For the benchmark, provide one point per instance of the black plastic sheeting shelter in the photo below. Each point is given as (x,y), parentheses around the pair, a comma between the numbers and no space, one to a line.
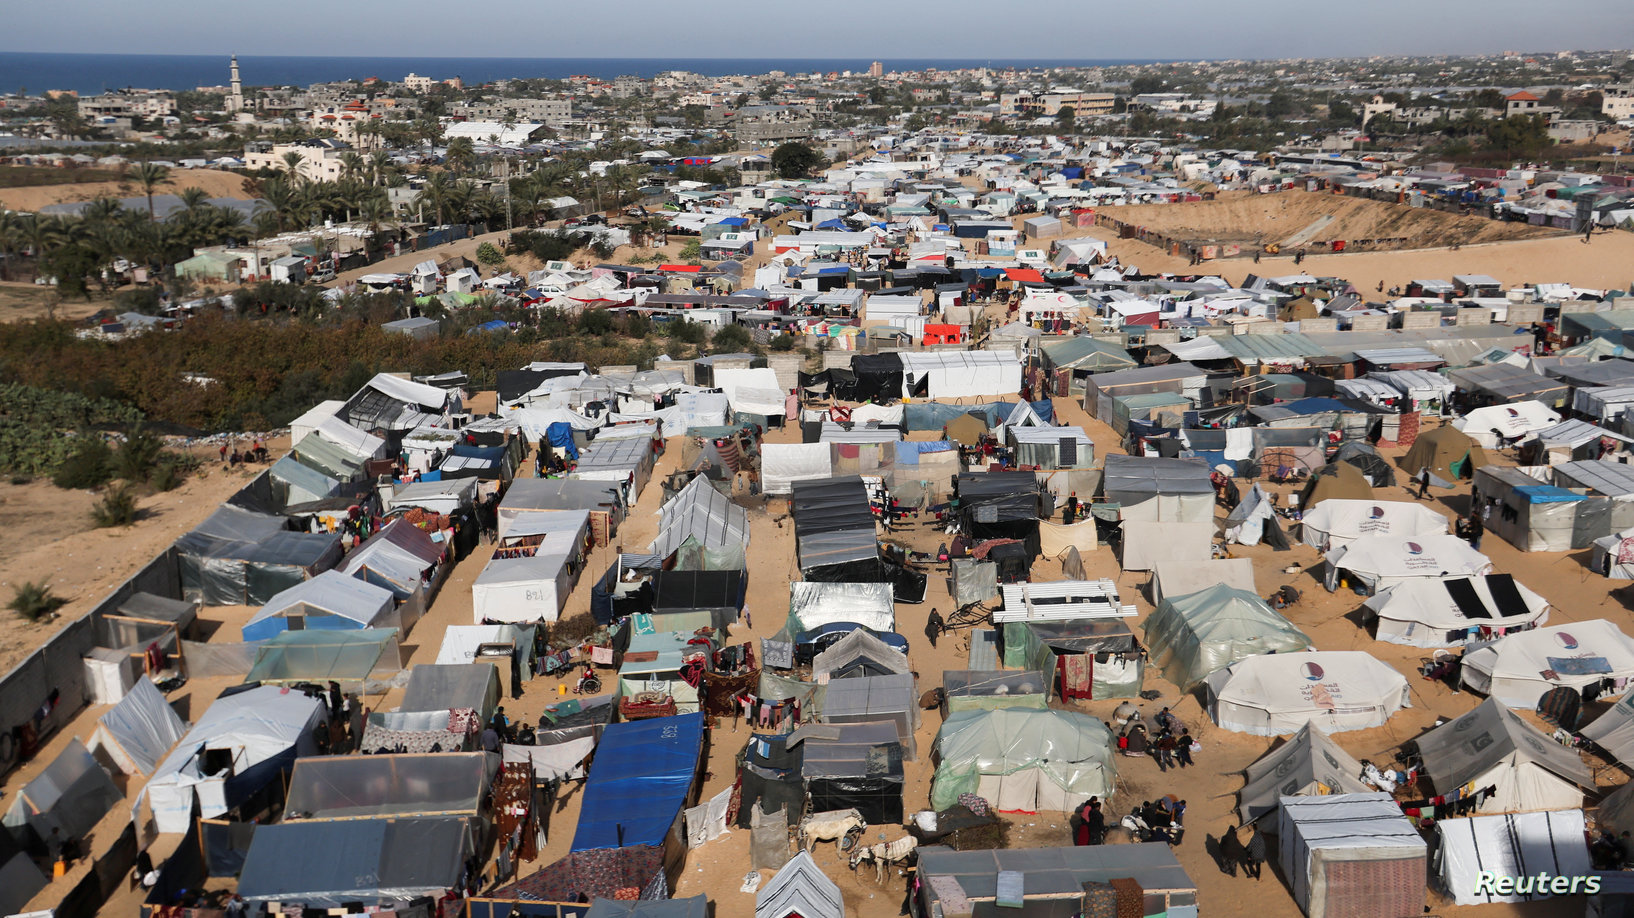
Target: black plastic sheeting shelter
(875,377)
(238,557)
(1365,457)
(834,531)
(769,774)
(513,384)
(718,592)
(375,861)
(1000,505)
(853,765)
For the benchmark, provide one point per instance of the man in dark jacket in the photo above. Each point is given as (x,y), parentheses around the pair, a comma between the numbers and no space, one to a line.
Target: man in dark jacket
(934,626)
(1254,854)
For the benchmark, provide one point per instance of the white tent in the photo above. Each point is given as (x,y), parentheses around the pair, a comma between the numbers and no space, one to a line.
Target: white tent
(533,587)
(1521,668)
(1492,746)
(960,374)
(752,391)
(358,443)
(461,642)
(1435,611)
(138,731)
(1381,561)
(1352,856)
(263,724)
(1336,522)
(1513,421)
(446,496)
(814,604)
(799,889)
(1179,578)
(1245,525)
(1310,763)
(1338,690)
(1519,845)
(330,601)
(783,464)
(1146,545)
(1614,732)
(309,422)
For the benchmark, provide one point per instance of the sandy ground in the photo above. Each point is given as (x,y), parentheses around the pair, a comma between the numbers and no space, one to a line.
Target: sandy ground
(1237,216)
(215,182)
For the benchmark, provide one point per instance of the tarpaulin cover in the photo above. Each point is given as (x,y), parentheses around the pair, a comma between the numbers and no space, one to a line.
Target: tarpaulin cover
(1493,746)
(322,656)
(346,786)
(1271,694)
(445,686)
(1337,522)
(860,699)
(1350,854)
(1510,845)
(859,651)
(1159,490)
(800,888)
(331,601)
(1023,760)
(717,592)
(560,435)
(1177,578)
(690,907)
(1309,763)
(769,775)
(1447,611)
(139,730)
(1148,544)
(398,557)
(974,581)
(702,514)
(783,464)
(1195,634)
(71,796)
(328,863)
(814,604)
(641,778)
(1381,560)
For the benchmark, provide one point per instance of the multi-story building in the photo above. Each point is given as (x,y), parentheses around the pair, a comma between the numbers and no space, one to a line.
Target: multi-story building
(545,111)
(319,159)
(1049,104)
(129,103)
(1617,101)
(767,124)
(876,70)
(416,83)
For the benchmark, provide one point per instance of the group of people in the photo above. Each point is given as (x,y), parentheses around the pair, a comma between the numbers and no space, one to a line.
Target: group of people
(1234,852)
(233,457)
(1611,852)
(1171,747)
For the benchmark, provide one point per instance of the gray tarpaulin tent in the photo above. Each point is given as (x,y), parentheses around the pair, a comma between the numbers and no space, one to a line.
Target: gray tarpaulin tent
(1179,578)
(859,653)
(691,907)
(1613,731)
(443,686)
(239,557)
(295,483)
(701,523)
(875,698)
(1159,490)
(1023,760)
(398,557)
(138,731)
(1309,763)
(852,765)
(1352,856)
(1051,874)
(70,797)
(1492,746)
(1196,634)
(376,861)
(348,787)
(799,889)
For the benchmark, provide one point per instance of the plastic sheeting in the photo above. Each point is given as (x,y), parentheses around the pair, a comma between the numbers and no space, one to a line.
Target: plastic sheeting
(1159,490)
(1352,854)
(349,787)
(1425,613)
(138,731)
(859,649)
(1023,760)
(1176,579)
(1193,635)
(331,601)
(1339,690)
(1517,845)
(328,863)
(812,605)
(700,514)
(1055,538)
(1148,544)
(875,698)
(641,778)
(974,581)
(783,464)
(441,687)
(70,797)
(799,888)
(769,839)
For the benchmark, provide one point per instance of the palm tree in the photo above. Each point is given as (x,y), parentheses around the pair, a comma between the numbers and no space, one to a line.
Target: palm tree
(380,165)
(460,154)
(351,164)
(292,164)
(150,176)
(375,211)
(284,202)
(438,191)
(193,198)
(11,239)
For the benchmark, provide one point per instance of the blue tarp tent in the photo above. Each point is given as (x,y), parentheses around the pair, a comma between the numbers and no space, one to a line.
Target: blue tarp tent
(560,434)
(639,782)
(497,325)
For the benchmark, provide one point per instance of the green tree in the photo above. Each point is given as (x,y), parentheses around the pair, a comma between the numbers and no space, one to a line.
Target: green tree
(1142,85)
(1524,136)
(795,160)
(1065,118)
(489,255)
(150,176)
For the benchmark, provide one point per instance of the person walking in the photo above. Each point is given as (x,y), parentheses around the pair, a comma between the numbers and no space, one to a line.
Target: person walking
(1474,529)
(1182,748)
(1423,479)
(1071,511)
(1165,751)
(934,626)
(1254,854)
(1232,852)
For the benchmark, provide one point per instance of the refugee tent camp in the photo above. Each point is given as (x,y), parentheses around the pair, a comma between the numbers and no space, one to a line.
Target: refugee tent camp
(1492,746)
(1308,764)
(1613,731)
(862,699)
(1520,668)
(447,497)
(400,557)
(1023,760)
(1453,611)
(414,784)
(69,798)
(1335,481)
(421,722)
(20,878)
(1520,845)
(1352,856)
(374,860)
(1193,635)
(1338,690)
(138,731)
(1337,522)
(1447,452)
(1159,490)
(1365,457)
(834,531)
(858,653)
(331,601)
(1509,423)
(238,744)
(1533,515)
(852,766)
(530,579)
(240,557)
(813,605)
(799,889)
(602,499)
(1178,578)
(959,374)
(1379,561)
(293,657)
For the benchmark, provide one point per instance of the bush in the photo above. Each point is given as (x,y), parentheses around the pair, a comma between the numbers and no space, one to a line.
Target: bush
(89,466)
(138,456)
(731,340)
(144,300)
(35,601)
(685,330)
(783,342)
(172,469)
(692,251)
(117,507)
(489,255)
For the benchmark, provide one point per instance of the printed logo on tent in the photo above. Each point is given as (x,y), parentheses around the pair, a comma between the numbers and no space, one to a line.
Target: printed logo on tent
(1566,640)
(1413,548)
(1312,672)
(1513,413)
(1378,513)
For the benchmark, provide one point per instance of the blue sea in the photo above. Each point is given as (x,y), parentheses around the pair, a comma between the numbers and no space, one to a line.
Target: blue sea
(89,74)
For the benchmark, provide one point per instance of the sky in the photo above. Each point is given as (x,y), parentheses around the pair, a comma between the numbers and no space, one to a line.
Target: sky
(964,29)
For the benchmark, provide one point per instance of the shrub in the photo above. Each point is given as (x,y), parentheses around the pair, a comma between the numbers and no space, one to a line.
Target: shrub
(731,340)
(138,456)
(783,342)
(172,469)
(117,507)
(489,255)
(89,466)
(692,251)
(685,330)
(35,601)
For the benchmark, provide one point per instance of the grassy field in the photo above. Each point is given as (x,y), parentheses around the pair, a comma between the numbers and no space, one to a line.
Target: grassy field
(32,176)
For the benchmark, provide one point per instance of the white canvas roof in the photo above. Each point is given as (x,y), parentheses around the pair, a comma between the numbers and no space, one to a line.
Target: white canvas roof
(799,888)
(1517,419)
(1424,613)
(1338,690)
(1382,560)
(752,391)
(338,594)
(359,443)
(1336,522)
(262,723)
(460,642)
(1308,762)
(445,496)
(1179,578)
(1148,544)
(532,589)
(961,374)
(814,604)
(783,464)
(139,730)
(1578,654)
(308,422)
(1514,845)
